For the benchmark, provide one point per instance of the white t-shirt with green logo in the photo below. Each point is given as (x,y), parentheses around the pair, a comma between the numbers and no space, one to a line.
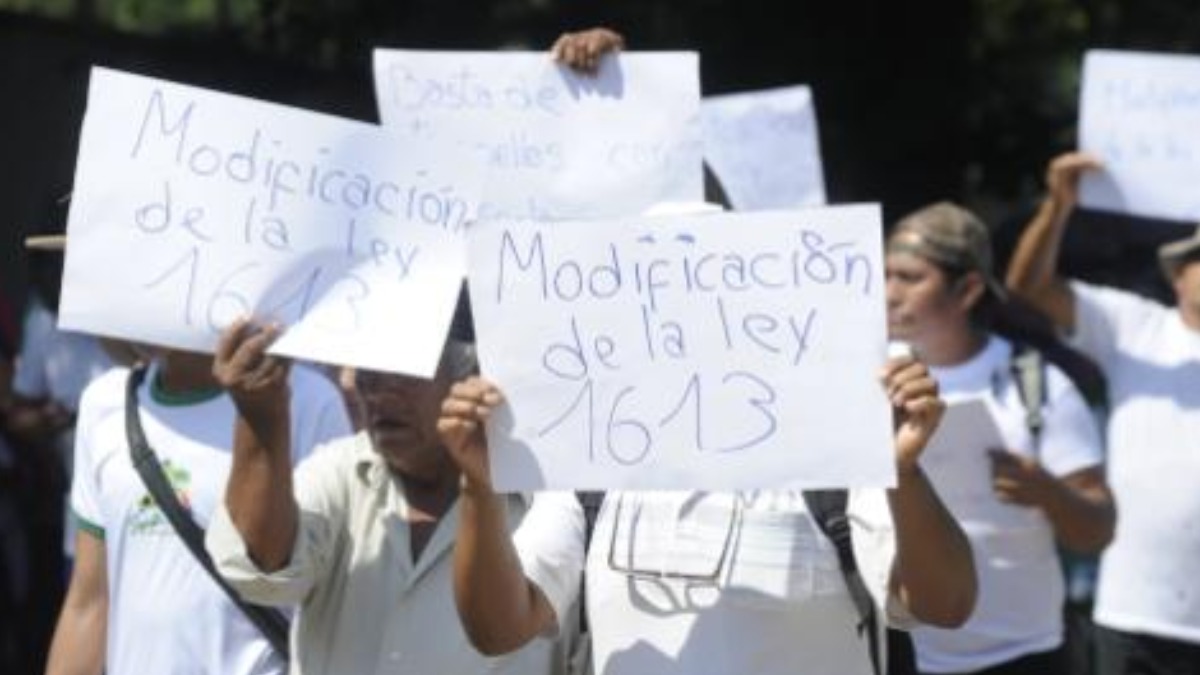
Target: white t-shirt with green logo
(166,615)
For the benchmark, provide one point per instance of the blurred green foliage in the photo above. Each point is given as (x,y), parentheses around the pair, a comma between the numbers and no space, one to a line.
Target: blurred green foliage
(150,17)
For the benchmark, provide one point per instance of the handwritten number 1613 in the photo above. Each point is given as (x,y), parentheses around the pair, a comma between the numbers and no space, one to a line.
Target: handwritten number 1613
(628,439)
(228,301)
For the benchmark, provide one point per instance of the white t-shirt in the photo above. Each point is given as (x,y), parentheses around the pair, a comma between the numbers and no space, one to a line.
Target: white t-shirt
(1019,606)
(165,614)
(750,584)
(1152,362)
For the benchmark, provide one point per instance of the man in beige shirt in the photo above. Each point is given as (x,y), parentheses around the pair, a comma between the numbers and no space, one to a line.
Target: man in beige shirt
(360,539)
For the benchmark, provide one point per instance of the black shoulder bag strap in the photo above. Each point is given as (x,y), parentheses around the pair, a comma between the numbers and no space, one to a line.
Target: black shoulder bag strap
(828,509)
(1029,374)
(590,501)
(272,622)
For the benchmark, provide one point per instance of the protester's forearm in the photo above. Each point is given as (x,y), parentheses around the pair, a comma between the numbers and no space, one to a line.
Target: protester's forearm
(259,494)
(499,608)
(934,568)
(78,645)
(1083,518)
(1033,270)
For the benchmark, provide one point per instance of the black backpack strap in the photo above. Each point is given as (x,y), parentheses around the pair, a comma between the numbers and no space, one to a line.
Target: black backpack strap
(590,500)
(1029,374)
(828,510)
(901,655)
(272,622)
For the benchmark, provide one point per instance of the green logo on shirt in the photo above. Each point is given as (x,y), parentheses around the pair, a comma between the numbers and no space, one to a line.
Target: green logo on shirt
(147,518)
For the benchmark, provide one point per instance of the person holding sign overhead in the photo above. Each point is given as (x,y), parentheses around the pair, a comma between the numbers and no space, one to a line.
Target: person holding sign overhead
(1046,480)
(712,582)
(1147,602)
(360,538)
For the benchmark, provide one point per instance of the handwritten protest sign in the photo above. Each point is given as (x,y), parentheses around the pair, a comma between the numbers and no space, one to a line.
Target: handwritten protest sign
(555,144)
(1140,113)
(193,207)
(703,352)
(763,147)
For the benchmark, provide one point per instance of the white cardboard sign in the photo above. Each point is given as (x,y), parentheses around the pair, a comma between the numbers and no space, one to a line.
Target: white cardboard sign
(192,207)
(957,463)
(722,351)
(764,148)
(554,144)
(1140,113)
